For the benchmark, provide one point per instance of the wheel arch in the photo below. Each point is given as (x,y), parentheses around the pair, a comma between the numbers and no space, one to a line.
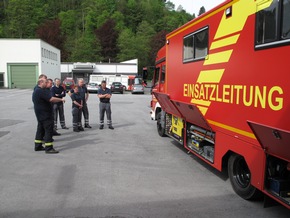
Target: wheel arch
(255,194)
(157,110)
(225,160)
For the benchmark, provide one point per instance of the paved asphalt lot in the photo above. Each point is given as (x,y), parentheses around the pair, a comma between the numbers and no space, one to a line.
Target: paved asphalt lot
(129,172)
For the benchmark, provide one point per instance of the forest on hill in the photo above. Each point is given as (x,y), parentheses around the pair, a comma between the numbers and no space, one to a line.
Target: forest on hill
(95,30)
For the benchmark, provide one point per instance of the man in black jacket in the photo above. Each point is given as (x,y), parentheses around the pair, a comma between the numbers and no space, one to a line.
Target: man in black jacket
(42,100)
(58,91)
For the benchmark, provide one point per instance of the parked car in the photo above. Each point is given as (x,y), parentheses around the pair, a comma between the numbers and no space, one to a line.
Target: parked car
(68,84)
(138,88)
(117,87)
(93,87)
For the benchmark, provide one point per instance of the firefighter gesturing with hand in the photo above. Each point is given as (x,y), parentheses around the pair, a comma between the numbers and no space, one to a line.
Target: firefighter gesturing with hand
(42,100)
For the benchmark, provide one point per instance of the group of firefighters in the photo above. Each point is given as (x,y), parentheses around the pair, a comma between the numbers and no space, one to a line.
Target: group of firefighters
(48,102)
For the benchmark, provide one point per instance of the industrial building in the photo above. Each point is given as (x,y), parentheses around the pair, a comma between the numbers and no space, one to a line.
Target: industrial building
(84,70)
(23,60)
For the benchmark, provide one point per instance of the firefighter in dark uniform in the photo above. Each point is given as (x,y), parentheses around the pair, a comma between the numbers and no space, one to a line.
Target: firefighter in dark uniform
(48,87)
(84,93)
(58,91)
(104,95)
(77,105)
(42,100)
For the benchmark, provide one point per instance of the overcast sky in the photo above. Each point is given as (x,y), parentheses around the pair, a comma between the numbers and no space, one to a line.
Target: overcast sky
(193,6)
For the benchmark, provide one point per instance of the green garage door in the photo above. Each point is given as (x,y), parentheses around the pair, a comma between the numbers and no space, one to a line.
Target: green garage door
(23,76)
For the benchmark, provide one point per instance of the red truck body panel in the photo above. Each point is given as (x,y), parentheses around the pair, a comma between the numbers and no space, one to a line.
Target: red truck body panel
(240,91)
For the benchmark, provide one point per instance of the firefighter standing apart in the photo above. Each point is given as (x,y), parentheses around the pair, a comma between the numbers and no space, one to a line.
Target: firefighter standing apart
(104,95)
(42,100)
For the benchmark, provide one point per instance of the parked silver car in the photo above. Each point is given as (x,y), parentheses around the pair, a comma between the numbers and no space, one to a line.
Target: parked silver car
(138,88)
(93,87)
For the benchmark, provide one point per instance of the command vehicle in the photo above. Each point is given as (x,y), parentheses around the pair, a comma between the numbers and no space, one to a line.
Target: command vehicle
(221,89)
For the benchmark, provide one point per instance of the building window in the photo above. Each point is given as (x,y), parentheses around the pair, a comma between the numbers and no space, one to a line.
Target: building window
(1,79)
(195,45)
(48,54)
(273,24)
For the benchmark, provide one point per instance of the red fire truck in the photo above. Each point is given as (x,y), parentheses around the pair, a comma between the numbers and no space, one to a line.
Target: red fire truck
(221,89)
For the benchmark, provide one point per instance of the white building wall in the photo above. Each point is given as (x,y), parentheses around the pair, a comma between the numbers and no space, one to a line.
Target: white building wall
(28,51)
(127,67)
(66,67)
(50,60)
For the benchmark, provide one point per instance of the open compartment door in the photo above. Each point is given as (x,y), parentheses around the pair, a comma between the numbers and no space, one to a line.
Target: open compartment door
(166,104)
(274,141)
(192,114)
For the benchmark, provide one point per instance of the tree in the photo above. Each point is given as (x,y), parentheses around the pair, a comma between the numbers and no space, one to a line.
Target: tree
(108,39)
(51,33)
(134,15)
(89,29)
(156,43)
(24,16)
(144,34)
(86,49)
(169,6)
(69,22)
(119,19)
(180,8)
(201,11)
(175,19)
(127,45)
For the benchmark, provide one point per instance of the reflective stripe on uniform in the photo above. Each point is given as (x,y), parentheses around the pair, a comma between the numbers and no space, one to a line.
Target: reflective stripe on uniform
(38,141)
(47,144)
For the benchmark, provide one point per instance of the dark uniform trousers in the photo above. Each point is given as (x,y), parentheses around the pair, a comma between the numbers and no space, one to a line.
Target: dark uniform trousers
(105,107)
(58,109)
(77,117)
(44,132)
(85,112)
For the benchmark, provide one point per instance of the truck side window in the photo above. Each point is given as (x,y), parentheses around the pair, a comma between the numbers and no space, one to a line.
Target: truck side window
(156,76)
(163,74)
(273,24)
(201,44)
(286,20)
(195,45)
(188,53)
(267,20)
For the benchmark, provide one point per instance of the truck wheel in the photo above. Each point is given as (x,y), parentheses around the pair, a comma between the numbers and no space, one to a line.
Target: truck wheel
(240,177)
(160,129)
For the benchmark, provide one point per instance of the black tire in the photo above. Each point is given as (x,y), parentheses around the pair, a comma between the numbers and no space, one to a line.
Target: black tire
(160,130)
(240,177)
